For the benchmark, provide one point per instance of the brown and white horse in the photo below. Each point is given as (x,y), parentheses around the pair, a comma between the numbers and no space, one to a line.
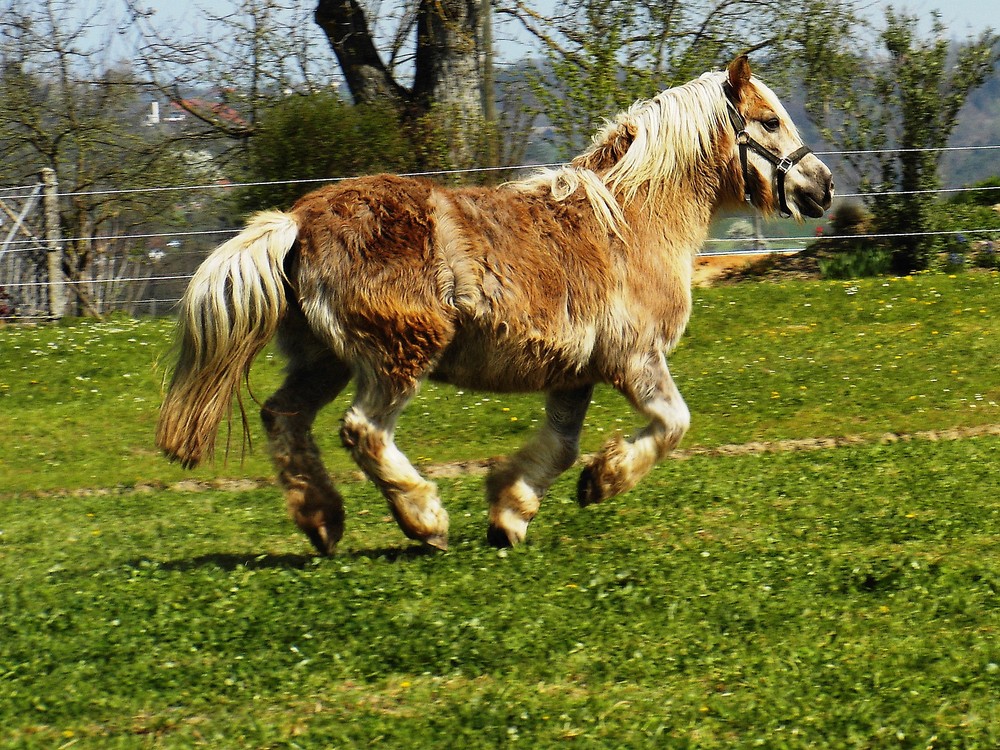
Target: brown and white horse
(575,276)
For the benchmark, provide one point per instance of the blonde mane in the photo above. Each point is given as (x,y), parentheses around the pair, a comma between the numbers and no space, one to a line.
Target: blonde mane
(648,145)
(563,182)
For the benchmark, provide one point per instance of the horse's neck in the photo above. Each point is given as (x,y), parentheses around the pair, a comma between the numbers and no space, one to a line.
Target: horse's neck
(670,219)
(675,216)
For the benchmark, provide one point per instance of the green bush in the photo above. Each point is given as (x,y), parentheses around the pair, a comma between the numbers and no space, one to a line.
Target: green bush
(986,253)
(861,261)
(961,219)
(851,218)
(988,194)
(316,137)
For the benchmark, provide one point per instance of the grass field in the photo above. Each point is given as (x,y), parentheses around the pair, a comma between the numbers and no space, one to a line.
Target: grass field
(818,599)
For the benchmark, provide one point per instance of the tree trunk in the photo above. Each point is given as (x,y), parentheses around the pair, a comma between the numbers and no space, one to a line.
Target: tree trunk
(449,67)
(447,70)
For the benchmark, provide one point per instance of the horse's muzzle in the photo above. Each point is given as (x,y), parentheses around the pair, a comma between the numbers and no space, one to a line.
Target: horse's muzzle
(815,198)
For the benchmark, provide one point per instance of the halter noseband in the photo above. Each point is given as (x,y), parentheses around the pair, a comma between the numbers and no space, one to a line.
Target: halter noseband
(782,164)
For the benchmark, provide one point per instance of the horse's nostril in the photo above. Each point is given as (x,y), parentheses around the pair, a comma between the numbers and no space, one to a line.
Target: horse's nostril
(828,195)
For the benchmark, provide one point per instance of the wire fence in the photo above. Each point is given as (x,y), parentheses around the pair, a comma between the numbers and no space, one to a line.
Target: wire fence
(161,291)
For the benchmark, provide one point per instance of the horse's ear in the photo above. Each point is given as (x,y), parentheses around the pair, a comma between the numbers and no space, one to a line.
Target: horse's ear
(739,73)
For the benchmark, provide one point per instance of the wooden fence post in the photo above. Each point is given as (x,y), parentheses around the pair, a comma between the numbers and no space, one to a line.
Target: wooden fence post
(53,243)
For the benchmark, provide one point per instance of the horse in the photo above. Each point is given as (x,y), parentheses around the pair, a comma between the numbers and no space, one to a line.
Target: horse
(570,277)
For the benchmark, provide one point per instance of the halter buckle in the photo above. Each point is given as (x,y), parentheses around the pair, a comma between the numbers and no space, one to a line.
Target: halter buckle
(784,165)
(742,138)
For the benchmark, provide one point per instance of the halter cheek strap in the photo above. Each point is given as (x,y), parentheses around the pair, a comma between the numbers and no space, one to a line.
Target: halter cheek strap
(782,164)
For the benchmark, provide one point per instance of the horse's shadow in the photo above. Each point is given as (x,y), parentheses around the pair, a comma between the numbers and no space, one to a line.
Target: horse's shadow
(248,561)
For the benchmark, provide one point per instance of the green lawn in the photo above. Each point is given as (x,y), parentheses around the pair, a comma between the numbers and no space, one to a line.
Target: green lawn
(759,362)
(836,598)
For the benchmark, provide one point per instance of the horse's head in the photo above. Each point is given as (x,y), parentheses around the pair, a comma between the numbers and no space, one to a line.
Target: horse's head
(779,173)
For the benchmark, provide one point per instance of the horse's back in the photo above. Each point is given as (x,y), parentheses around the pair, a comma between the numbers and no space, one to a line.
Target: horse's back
(533,277)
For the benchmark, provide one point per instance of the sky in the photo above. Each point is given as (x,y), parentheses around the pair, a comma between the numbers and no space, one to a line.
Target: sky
(961,17)
(957,14)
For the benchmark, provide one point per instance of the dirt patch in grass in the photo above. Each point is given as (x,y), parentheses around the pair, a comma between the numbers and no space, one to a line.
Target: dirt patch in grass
(711,269)
(479,466)
(732,269)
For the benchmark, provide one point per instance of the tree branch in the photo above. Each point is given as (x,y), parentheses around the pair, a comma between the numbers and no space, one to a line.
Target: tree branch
(346,28)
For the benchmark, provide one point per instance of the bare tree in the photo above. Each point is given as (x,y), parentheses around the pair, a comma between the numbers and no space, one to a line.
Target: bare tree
(225,69)
(425,58)
(64,104)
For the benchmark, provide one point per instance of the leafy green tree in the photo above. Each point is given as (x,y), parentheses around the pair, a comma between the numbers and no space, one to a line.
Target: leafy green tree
(896,110)
(602,55)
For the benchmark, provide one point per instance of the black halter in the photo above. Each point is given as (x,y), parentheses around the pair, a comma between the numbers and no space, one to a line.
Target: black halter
(782,164)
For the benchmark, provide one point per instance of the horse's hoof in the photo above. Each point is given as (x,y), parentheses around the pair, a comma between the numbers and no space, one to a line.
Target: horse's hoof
(322,541)
(588,491)
(507,528)
(437,541)
(497,537)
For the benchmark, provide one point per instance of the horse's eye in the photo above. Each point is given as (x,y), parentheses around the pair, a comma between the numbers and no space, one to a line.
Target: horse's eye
(772,124)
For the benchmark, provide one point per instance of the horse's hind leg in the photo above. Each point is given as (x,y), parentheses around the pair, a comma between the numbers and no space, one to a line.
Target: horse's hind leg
(621,463)
(313,502)
(515,487)
(368,432)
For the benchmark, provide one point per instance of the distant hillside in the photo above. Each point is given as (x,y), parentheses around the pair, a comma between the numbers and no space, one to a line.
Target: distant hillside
(978,125)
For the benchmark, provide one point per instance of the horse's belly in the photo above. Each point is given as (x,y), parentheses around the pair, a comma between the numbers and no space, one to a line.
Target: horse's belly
(510,364)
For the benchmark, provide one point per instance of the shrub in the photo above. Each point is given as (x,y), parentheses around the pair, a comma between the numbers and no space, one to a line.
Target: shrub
(963,219)
(988,194)
(320,136)
(985,255)
(858,262)
(850,218)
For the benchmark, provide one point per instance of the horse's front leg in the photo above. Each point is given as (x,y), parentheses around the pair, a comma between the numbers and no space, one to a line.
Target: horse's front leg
(621,463)
(515,487)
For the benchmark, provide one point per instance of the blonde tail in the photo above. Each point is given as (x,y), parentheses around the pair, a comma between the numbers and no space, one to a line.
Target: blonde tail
(230,310)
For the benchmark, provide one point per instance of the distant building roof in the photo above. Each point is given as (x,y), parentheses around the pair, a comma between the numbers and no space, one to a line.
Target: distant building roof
(208,110)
